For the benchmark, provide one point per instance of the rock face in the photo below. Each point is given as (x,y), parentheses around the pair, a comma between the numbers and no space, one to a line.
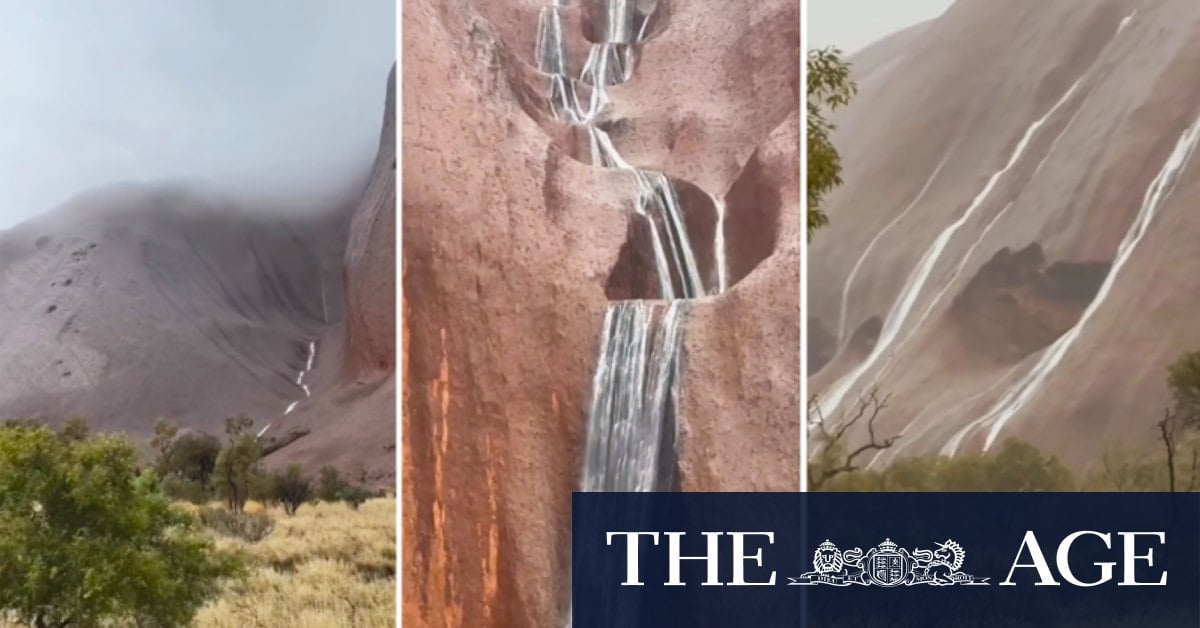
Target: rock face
(139,301)
(135,302)
(371,259)
(1010,253)
(513,248)
(359,356)
(740,406)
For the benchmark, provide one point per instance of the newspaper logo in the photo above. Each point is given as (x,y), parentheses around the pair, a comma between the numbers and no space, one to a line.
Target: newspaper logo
(888,565)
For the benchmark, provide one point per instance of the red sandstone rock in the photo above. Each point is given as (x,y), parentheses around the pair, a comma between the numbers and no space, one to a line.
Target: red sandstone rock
(512,248)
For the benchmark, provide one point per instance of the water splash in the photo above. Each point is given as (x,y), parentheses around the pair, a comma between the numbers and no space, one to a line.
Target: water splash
(1017,397)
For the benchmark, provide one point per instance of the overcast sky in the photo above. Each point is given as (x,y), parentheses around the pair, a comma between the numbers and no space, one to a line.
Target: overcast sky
(275,95)
(853,24)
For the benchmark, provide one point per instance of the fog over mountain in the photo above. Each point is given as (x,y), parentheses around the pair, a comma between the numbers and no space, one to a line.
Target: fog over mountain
(267,98)
(197,221)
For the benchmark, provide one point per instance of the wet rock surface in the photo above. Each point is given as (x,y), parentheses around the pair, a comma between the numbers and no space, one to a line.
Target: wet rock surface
(514,244)
(1051,311)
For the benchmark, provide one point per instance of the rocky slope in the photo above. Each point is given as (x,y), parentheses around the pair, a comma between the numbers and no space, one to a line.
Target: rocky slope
(140,301)
(513,247)
(1010,255)
(351,423)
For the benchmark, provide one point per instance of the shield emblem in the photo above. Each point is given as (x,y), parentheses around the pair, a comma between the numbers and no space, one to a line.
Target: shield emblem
(888,568)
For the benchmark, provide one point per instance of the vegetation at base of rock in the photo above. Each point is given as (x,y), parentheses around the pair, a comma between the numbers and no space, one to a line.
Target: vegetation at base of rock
(1173,465)
(88,539)
(326,566)
(292,488)
(1183,378)
(238,467)
(332,488)
(1014,467)
(829,88)
(250,527)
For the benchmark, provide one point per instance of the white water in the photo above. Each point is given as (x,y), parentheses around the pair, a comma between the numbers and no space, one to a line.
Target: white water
(962,263)
(1125,22)
(916,281)
(1017,397)
(308,365)
(1054,144)
(630,429)
(719,250)
(611,63)
(312,355)
(841,334)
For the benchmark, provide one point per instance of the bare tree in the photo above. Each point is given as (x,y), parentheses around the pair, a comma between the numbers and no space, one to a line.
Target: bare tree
(1166,428)
(1170,429)
(833,459)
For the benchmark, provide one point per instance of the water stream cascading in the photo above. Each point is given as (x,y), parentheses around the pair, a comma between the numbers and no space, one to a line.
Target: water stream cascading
(630,424)
(308,366)
(631,430)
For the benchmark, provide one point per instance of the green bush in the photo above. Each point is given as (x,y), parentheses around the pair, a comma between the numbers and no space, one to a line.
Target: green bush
(191,456)
(292,488)
(1015,467)
(247,526)
(237,471)
(87,539)
(354,496)
(330,485)
(185,490)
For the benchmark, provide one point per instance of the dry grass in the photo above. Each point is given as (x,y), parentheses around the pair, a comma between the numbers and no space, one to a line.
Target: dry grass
(327,566)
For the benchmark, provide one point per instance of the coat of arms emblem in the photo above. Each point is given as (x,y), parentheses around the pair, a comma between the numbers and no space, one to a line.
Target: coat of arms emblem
(888,565)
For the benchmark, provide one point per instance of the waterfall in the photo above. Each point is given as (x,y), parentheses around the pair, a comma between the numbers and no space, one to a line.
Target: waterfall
(630,427)
(308,366)
(631,422)
(631,431)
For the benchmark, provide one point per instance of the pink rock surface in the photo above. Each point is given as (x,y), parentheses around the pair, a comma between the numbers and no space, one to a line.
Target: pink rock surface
(1019,273)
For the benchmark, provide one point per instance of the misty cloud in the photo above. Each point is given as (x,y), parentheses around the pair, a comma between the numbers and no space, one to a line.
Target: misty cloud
(854,24)
(282,99)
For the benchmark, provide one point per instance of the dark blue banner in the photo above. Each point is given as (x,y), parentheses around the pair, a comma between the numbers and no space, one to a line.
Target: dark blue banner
(885,559)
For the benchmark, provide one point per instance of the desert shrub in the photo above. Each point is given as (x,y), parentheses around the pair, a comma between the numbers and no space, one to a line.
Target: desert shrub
(192,455)
(131,559)
(237,471)
(332,488)
(185,490)
(1183,378)
(251,527)
(355,495)
(330,485)
(74,430)
(263,490)
(1015,467)
(163,441)
(292,488)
